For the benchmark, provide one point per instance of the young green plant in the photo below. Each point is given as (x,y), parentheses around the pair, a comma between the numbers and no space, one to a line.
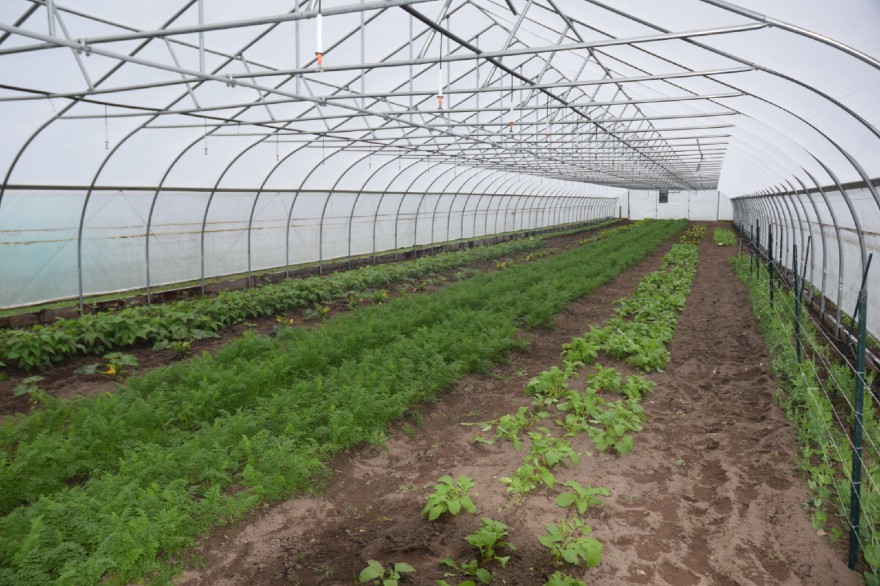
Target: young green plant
(450,496)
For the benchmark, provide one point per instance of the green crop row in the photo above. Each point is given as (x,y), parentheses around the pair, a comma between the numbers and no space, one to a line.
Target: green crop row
(107,487)
(723,237)
(812,392)
(610,424)
(643,325)
(694,234)
(38,347)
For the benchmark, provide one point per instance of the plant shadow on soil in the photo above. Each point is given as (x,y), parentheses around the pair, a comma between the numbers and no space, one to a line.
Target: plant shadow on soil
(709,495)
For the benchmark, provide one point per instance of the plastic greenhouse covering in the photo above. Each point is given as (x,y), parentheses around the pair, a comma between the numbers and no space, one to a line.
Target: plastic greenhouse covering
(172,141)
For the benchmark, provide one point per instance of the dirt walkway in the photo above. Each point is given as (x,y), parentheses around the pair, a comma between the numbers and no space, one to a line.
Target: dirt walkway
(710,494)
(707,496)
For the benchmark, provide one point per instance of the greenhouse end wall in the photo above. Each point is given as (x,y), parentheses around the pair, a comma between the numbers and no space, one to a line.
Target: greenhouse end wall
(708,205)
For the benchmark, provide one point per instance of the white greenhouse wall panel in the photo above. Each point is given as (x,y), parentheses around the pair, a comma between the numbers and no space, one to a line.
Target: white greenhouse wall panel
(175,244)
(38,237)
(838,284)
(188,235)
(704,205)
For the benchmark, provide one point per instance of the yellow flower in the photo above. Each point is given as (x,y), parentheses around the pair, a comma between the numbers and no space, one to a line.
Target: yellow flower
(111,370)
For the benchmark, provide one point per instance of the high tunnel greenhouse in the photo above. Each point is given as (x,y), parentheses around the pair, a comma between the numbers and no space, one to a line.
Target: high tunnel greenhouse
(241,240)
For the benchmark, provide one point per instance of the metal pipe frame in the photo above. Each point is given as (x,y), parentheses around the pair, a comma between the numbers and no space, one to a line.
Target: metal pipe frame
(666,163)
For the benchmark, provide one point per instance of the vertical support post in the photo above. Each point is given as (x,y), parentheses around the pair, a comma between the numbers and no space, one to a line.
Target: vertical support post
(296,54)
(855,316)
(753,248)
(804,269)
(856,491)
(797,303)
(202,36)
(770,261)
(50,8)
(782,234)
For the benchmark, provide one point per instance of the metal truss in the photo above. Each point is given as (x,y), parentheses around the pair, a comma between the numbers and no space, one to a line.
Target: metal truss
(515,92)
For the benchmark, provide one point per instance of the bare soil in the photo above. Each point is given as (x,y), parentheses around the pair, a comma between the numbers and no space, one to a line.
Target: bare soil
(709,495)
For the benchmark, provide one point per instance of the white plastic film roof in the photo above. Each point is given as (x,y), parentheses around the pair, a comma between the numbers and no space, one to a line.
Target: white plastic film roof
(197,98)
(634,93)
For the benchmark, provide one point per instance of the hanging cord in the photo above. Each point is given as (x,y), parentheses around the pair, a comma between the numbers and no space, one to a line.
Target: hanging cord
(277,154)
(106,130)
(206,135)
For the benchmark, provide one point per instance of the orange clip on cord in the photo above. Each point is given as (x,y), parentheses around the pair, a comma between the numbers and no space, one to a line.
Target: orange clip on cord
(510,124)
(440,102)
(319,58)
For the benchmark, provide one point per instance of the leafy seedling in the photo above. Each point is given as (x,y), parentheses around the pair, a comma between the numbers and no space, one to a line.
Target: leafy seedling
(489,539)
(636,387)
(181,348)
(605,378)
(569,542)
(120,362)
(551,383)
(318,311)
(375,573)
(548,451)
(471,568)
(28,386)
(560,579)
(450,496)
(116,364)
(353,299)
(580,350)
(527,478)
(581,497)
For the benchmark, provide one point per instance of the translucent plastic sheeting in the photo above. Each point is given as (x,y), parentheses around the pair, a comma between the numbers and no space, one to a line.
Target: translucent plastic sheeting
(707,205)
(196,235)
(158,116)
(794,218)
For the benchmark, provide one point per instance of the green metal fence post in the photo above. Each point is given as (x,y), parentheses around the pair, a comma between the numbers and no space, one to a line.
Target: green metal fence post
(756,246)
(855,494)
(797,303)
(751,249)
(770,260)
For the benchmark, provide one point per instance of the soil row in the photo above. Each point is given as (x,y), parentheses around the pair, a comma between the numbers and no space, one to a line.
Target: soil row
(709,495)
